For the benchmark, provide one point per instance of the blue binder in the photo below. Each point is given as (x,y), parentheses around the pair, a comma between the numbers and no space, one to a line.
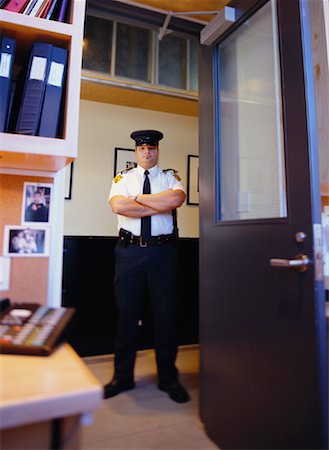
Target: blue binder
(7,48)
(10,104)
(54,93)
(34,88)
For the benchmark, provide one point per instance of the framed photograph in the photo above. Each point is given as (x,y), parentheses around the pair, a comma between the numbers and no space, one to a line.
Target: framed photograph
(124,158)
(37,203)
(192,180)
(68,181)
(26,241)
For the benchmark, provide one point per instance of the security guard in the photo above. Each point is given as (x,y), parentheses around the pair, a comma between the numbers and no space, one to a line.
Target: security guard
(144,199)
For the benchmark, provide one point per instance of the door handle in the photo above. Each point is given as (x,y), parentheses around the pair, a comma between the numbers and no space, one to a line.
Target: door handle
(300,263)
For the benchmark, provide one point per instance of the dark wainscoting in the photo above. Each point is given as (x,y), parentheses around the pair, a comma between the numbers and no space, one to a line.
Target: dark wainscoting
(87,286)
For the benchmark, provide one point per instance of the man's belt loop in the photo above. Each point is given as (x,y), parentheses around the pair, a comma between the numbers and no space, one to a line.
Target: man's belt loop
(142,243)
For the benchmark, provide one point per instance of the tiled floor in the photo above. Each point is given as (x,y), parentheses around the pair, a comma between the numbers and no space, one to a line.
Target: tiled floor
(145,418)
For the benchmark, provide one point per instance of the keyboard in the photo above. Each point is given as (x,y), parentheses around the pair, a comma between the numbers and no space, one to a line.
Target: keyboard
(32,329)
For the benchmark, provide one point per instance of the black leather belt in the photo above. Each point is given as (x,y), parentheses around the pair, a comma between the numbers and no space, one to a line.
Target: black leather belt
(129,238)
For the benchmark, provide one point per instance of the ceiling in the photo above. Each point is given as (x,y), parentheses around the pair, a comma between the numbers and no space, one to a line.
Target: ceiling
(184,6)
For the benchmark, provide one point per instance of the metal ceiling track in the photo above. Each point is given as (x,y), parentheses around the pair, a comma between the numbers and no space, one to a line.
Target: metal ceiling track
(164,29)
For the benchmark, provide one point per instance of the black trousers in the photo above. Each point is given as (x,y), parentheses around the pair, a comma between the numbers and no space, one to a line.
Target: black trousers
(152,270)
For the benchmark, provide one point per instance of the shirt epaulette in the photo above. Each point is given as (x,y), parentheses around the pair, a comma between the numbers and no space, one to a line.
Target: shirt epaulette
(173,172)
(120,174)
(124,171)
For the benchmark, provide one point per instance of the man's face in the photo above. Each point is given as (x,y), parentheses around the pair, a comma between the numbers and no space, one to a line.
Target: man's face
(147,155)
(37,198)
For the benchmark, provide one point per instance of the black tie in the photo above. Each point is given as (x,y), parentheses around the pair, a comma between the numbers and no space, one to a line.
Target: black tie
(146,221)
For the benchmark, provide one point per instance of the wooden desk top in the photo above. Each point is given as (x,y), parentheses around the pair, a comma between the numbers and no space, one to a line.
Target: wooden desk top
(39,388)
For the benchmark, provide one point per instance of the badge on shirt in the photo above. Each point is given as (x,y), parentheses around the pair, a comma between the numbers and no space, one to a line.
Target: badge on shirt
(118,178)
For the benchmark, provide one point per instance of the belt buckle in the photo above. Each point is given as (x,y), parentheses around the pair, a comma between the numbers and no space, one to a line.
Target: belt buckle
(141,242)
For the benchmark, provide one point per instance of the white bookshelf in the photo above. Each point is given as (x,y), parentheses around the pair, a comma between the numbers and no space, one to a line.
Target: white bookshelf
(19,151)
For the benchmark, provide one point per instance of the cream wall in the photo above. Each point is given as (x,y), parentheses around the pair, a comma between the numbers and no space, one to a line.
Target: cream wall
(102,128)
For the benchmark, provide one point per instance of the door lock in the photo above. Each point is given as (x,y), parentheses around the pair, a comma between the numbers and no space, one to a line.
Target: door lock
(300,236)
(300,263)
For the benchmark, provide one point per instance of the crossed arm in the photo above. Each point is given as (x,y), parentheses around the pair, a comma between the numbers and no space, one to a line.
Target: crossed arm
(147,204)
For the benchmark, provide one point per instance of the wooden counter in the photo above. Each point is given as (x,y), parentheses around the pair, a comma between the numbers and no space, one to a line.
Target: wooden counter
(42,399)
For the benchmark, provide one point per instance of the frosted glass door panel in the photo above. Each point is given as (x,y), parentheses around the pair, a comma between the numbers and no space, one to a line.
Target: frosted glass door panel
(251,169)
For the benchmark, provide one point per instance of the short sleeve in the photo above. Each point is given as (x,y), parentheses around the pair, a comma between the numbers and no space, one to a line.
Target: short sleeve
(119,186)
(175,181)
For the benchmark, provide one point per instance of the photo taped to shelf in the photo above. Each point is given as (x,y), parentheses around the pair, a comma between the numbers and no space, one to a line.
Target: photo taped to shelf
(37,203)
(25,241)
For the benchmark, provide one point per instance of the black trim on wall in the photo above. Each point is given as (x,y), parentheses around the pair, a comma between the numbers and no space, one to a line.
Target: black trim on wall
(88,270)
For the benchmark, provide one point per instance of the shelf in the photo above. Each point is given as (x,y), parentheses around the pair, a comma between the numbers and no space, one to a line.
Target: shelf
(36,152)
(17,23)
(35,162)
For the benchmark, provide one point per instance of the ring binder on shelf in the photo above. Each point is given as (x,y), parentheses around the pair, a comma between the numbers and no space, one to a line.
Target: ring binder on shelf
(7,48)
(53,93)
(16,5)
(33,94)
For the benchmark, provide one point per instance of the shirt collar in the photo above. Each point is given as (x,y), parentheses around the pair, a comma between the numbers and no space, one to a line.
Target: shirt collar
(153,170)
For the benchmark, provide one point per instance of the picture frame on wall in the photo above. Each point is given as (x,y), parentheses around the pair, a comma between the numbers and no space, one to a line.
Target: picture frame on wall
(68,181)
(23,241)
(124,158)
(37,203)
(192,180)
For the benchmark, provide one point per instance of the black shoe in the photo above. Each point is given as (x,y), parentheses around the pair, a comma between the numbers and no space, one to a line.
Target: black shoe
(175,391)
(115,387)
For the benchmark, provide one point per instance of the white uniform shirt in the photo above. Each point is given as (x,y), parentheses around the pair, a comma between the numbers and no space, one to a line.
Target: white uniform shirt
(130,183)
